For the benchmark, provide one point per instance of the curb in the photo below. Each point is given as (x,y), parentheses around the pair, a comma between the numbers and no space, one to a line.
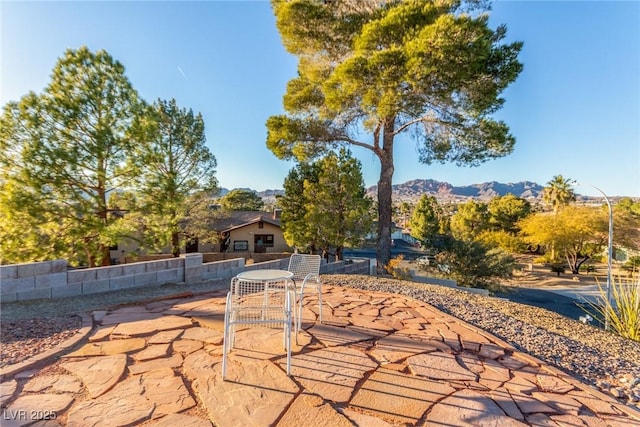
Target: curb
(85,329)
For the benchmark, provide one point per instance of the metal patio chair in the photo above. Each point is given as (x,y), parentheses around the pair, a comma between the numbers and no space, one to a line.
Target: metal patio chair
(306,272)
(257,303)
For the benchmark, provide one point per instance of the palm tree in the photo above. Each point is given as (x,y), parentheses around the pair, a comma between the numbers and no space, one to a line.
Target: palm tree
(558,193)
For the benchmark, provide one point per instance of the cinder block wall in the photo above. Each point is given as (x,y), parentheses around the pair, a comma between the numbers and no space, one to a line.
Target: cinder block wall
(52,279)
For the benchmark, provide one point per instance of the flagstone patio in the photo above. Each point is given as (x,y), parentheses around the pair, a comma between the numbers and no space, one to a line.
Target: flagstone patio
(377,360)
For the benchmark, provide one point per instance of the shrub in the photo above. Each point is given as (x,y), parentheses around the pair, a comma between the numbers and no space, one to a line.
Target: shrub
(632,264)
(557,268)
(623,310)
(396,270)
(589,268)
(472,264)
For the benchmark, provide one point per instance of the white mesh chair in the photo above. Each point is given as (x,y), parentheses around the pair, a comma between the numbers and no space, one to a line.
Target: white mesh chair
(257,303)
(306,273)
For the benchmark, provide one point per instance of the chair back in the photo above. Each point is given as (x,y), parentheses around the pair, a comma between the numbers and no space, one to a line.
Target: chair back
(265,303)
(301,265)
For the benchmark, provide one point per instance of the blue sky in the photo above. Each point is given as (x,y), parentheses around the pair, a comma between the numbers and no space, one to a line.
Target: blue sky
(575,109)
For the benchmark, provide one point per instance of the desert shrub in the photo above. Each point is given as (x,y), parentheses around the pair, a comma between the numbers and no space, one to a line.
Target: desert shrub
(396,270)
(557,268)
(623,309)
(588,268)
(632,264)
(472,264)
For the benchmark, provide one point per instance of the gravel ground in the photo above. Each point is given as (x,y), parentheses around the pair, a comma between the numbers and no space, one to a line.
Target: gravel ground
(597,357)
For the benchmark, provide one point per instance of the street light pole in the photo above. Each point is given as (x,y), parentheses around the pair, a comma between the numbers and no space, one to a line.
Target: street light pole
(609,255)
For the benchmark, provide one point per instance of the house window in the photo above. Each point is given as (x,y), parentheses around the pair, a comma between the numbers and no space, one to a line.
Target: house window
(263,240)
(240,245)
(260,224)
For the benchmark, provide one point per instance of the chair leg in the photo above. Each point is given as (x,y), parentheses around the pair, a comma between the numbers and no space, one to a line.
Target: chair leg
(299,316)
(288,342)
(225,346)
(320,302)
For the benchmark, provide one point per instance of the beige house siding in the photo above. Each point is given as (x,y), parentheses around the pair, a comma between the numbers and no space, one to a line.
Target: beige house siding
(250,233)
(244,228)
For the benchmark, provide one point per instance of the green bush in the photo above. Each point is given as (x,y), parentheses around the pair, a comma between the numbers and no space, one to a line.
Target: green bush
(472,264)
(557,268)
(588,268)
(632,264)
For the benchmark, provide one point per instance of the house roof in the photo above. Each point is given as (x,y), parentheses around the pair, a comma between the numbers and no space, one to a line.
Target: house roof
(239,219)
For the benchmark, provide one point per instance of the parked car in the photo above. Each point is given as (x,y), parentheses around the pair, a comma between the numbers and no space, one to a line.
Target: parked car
(425,261)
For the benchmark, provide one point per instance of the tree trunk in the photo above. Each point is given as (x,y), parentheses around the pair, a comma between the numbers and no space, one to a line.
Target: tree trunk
(175,244)
(106,255)
(385,154)
(339,254)
(575,269)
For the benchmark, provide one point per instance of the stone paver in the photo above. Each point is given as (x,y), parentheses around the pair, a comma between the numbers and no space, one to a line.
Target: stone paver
(312,410)
(466,407)
(331,373)
(98,374)
(53,384)
(439,366)
(378,360)
(33,407)
(145,327)
(397,397)
(108,348)
(255,394)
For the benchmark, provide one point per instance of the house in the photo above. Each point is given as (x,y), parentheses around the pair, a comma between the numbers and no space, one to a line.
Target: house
(249,231)
(242,233)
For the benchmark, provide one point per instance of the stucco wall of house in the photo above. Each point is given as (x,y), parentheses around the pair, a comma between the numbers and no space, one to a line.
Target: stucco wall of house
(248,233)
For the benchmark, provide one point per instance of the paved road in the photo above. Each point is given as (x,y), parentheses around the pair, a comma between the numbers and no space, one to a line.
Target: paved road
(552,301)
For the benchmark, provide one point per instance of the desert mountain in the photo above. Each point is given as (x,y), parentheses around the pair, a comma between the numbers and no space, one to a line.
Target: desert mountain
(443,191)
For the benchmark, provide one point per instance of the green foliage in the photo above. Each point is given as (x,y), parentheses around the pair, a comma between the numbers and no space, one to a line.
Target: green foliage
(577,233)
(176,179)
(62,152)
(622,310)
(626,220)
(471,219)
(423,68)
(425,219)
(472,264)
(325,205)
(503,240)
(628,205)
(242,200)
(294,205)
(86,164)
(632,264)
(505,212)
(557,268)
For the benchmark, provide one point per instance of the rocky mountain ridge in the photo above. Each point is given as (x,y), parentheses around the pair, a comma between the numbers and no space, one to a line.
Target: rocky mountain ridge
(443,191)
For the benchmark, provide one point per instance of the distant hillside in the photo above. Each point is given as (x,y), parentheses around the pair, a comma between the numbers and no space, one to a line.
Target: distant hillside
(269,196)
(443,191)
(446,192)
